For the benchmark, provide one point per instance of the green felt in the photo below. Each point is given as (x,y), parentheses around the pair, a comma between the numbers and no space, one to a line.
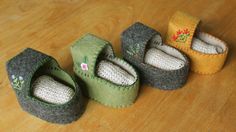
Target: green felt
(87,49)
(99,89)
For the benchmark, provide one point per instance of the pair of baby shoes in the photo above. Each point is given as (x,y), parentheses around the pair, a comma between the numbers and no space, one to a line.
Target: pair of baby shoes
(113,81)
(44,90)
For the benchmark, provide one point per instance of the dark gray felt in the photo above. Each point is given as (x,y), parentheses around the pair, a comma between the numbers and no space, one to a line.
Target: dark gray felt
(139,34)
(25,64)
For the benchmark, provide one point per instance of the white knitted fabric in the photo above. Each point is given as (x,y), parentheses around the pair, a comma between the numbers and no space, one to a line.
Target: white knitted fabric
(160,59)
(114,73)
(51,91)
(201,46)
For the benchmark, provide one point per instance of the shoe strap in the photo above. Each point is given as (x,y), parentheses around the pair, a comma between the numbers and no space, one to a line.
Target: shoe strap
(135,40)
(87,50)
(181,29)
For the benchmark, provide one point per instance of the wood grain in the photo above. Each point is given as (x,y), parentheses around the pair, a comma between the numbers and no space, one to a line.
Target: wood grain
(205,103)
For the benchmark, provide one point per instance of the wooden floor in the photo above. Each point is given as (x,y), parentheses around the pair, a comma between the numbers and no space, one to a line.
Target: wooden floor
(205,103)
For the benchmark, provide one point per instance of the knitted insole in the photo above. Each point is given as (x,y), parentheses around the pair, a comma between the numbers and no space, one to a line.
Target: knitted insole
(160,59)
(204,47)
(114,73)
(51,91)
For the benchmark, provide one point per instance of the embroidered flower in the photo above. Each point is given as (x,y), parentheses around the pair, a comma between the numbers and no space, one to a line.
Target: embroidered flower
(181,35)
(174,37)
(186,31)
(13,76)
(133,51)
(84,65)
(17,82)
(20,78)
(179,32)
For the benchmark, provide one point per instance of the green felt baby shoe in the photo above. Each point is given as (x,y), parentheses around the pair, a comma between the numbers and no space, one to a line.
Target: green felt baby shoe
(109,80)
(43,89)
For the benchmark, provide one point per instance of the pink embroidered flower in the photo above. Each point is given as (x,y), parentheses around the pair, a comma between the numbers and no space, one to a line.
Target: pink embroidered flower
(84,66)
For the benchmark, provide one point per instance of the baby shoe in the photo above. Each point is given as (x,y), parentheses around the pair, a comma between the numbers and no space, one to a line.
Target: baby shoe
(207,53)
(43,89)
(109,80)
(160,65)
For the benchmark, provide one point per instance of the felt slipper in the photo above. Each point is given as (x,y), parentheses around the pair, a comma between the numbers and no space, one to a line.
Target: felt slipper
(43,89)
(207,53)
(110,80)
(159,65)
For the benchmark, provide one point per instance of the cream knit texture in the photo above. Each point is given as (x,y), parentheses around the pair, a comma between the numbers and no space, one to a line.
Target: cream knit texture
(114,73)
(160,59)
(51,91)
(203,47)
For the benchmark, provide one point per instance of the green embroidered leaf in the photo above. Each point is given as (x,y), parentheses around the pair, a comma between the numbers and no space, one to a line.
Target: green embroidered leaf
(18,82)
(130,53)
(85,59)
(15,80)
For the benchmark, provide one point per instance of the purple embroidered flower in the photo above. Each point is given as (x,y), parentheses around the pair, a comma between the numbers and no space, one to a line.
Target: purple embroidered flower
(84,66)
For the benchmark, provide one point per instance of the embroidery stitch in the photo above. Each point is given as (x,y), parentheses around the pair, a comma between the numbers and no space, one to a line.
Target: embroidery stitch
(84,65)
(181,35)
(17,82)
(133,51)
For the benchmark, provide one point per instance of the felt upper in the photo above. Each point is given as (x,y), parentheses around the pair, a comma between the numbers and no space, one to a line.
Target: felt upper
(21,71)
(181,30)
(104,91)
(87,50)
(136,38)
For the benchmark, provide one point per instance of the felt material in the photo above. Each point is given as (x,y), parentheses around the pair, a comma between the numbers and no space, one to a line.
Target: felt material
(22,71)
(181,30)
(87,52)
(136,40)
